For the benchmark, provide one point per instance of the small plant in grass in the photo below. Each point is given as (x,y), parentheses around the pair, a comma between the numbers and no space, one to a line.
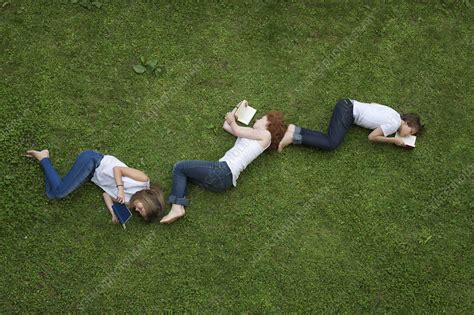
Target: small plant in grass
(88,4)
(151,66)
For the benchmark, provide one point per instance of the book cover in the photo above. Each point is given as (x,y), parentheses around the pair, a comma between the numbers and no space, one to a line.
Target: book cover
(408,140)
(245,112)
(122,213)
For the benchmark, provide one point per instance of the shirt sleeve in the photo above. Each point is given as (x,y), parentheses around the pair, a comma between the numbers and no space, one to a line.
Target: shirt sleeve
(389,128)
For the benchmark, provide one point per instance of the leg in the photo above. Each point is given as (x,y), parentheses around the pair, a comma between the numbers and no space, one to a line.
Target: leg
(341,120)
(213,176)
(287,137)
(82,169)
(202,173)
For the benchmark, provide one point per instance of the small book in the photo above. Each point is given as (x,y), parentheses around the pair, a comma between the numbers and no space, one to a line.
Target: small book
(408,140)
(245,112)
(122,213)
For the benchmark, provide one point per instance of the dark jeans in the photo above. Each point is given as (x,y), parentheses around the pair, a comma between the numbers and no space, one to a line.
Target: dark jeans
(81,171)
(341,120)
(213,176)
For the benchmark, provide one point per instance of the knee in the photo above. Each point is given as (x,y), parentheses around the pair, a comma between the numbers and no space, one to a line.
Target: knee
(178,166)
(86,152)
(56,194)
(332,145)
(342,102)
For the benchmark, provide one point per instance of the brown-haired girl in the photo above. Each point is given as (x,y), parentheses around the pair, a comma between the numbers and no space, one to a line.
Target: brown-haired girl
(219,176)
(119,182)
(381,119)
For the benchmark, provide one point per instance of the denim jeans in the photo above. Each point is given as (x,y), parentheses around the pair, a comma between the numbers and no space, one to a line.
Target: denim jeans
(81,171)
(213,176)
(341,120)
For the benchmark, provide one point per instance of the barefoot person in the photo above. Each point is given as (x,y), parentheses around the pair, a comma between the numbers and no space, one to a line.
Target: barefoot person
(220,176)
(381,119)
(119,182)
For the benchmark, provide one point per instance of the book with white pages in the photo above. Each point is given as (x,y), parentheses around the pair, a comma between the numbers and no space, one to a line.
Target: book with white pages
(244,112)
(408,140)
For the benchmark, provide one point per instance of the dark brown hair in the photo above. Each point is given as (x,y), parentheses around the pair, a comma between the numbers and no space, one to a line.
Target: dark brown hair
(413,121)
(277,128)
(153,201)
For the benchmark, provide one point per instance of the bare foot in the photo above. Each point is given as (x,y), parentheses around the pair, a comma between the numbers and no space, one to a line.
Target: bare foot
(39,155)
(287,138)
(176,212)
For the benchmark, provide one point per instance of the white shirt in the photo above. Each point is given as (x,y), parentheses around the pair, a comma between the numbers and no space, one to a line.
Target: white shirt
(373,115)
(104,178)
(240,155)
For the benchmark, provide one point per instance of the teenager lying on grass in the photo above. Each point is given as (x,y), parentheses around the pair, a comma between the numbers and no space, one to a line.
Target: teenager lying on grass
(220,176)
(120,183)
(381,119)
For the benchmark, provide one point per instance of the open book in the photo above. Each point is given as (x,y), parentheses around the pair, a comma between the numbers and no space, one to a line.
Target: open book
(408,140)
(122,213)
(245,112)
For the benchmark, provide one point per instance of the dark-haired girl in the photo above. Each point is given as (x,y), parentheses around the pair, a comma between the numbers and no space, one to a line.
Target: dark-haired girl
(219,176)
(381,119)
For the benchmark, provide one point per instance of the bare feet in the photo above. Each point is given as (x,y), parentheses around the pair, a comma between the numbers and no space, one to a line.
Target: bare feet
(287,138)
(176,212)
(39,155)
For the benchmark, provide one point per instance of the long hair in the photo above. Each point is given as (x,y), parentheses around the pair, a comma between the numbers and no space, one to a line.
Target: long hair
(277,128)
(153,201)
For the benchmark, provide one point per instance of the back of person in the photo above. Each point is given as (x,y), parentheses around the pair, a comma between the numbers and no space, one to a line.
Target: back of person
(104,178)
(374,115)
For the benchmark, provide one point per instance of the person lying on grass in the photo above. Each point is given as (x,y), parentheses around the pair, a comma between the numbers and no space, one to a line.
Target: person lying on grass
(120,183)
(220,176)
(381,119)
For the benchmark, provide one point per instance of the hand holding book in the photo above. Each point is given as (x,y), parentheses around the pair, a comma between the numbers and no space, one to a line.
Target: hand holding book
(122,213)
(230,117)
(244,112)
(408,141)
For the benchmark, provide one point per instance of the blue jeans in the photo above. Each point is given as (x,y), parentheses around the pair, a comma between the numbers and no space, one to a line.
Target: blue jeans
(81,171)
(341,120)
(213,176)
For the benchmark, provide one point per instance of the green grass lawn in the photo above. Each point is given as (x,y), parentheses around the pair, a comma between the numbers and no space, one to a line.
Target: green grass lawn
(368,228)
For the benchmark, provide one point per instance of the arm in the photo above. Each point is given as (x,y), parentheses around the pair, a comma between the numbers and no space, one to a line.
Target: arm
(109,202)
(378,136)
(119,172)
(226,125)
(244,132)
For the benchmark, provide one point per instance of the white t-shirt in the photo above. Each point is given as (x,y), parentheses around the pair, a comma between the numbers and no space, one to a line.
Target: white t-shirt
(104,178)
(373,115)
(240,155)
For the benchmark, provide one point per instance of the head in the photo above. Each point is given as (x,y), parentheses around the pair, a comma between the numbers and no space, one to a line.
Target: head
(410,125)
(149,203)
(273,122)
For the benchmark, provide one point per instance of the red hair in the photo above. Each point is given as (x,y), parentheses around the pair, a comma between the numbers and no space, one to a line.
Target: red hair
(277,128)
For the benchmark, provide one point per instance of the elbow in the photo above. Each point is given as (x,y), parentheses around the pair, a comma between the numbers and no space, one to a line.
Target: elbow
(372,138)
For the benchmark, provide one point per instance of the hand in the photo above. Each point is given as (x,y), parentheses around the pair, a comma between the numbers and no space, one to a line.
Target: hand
(121,195)
(399,142)
(115,220)
(230,118)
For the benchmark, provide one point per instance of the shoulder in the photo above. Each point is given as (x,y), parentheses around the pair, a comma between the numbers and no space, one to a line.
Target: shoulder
(112,160)
(266,138)
(264,134)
